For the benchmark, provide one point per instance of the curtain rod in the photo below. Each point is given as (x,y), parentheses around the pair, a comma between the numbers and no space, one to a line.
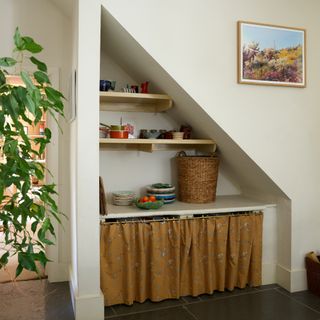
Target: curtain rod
(165,219)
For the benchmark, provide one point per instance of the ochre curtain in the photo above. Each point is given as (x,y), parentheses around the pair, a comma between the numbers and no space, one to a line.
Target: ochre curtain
(161,260)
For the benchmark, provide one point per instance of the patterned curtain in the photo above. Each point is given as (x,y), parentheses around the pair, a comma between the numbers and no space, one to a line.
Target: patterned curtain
(172,258)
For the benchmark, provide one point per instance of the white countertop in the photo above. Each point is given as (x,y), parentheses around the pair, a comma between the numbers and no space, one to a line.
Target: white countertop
(223,204)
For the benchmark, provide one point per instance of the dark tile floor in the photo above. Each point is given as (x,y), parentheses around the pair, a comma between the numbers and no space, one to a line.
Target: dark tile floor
(264,303)
(40,300)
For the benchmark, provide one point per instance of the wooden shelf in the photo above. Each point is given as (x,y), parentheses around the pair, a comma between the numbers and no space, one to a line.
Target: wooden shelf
(223,204)
(36,136)
(134,102)
(150,145)
(37,160)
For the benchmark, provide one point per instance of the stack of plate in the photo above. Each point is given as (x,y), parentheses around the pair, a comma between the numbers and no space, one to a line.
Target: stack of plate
(162,191)
(123,198)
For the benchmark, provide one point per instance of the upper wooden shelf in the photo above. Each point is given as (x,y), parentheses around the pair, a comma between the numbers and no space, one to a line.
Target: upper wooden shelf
(134,102)
(150,145)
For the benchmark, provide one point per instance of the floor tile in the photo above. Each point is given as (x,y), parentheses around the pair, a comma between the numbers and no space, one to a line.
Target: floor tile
(58,302)
(305,297)
(146,306)
(227,293)
(108,312)
(190,299)
(267,287)
(176,313)
(262,305)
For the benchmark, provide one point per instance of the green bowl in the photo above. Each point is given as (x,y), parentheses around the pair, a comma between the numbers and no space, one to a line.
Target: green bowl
(149,205)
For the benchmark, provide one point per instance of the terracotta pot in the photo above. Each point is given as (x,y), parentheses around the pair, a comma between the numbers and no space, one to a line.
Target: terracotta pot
(177,135)
(119,134)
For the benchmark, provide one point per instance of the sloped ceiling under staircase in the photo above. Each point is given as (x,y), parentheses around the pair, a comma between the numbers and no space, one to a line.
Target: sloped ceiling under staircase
(117,43)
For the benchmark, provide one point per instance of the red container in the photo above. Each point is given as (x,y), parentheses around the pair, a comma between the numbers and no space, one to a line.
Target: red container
(119,134)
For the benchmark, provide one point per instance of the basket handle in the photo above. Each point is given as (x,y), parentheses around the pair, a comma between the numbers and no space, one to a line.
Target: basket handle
(181,154)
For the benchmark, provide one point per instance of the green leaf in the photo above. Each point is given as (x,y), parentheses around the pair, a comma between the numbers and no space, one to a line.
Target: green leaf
(30,249)
(30,104)
(42,238)
(1,191)
(19,270)
(14,106)
(26,261)
(27,80)
(41,257)
(18,40)
(41,65)
(47,132)
(34,226)
(41,77)
(36,97)
(2,78)
(26,186)
(2,121)
(46,224)
(7,62)
(20,94)
(4,259)
(30,45)
(42,212)
(47,242)
(53,95)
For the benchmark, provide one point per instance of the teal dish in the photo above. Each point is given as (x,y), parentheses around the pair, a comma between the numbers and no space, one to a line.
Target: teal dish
(168,196)
(161,185)
(149,205)
(161,188)
(169,201)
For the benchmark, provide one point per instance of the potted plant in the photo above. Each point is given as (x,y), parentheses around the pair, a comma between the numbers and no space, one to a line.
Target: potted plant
(20,203)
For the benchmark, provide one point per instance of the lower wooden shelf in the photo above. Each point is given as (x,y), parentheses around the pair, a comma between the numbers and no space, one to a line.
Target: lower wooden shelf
(150,145)
(223,204)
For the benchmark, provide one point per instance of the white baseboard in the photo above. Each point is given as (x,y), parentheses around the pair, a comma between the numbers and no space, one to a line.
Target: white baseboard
(73,287)
(292,280)
(89,307)
(57,272)
(283,277)
(269,273)
(86,307)
(298,280)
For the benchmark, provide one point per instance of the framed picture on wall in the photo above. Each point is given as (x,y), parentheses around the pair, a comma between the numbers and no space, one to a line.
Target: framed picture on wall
(271,55)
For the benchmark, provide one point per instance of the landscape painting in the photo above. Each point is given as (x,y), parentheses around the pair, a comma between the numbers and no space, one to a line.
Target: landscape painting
(271,55)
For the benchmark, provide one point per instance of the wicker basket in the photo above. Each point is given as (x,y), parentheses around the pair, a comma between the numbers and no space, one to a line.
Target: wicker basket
(313,275)
(197,178)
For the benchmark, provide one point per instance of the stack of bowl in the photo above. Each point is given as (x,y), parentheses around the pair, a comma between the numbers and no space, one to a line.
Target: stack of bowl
(162,191)
(123,198)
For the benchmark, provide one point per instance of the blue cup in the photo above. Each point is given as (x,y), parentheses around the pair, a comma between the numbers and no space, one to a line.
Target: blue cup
(105,85)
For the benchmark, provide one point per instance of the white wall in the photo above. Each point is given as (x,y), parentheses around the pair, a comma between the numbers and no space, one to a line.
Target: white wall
(85,269)
(42,21)
(74,283)
(110,70)
(277,127)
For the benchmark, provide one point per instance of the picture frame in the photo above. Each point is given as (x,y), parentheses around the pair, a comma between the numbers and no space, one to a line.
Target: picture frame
(271,55)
